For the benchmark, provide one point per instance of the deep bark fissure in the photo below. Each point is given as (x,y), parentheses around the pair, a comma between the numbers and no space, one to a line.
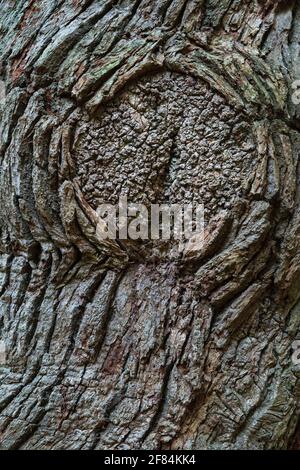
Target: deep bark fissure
(123,344)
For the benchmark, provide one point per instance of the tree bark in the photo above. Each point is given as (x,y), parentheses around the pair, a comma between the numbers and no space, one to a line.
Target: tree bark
(124,345)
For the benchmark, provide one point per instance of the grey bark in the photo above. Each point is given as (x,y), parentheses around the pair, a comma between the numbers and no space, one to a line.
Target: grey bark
(126,345)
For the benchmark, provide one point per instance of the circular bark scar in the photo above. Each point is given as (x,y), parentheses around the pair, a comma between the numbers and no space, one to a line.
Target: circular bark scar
(166,138)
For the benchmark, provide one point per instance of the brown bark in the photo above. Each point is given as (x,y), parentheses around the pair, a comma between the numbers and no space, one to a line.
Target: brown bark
(124,345)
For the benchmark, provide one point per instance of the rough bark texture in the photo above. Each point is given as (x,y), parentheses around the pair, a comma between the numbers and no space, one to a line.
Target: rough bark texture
(124,346)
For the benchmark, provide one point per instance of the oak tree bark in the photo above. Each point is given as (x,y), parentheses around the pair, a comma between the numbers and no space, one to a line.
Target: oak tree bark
(126,345)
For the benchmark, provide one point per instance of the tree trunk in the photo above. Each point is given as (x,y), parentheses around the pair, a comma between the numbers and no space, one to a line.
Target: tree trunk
(126,345)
